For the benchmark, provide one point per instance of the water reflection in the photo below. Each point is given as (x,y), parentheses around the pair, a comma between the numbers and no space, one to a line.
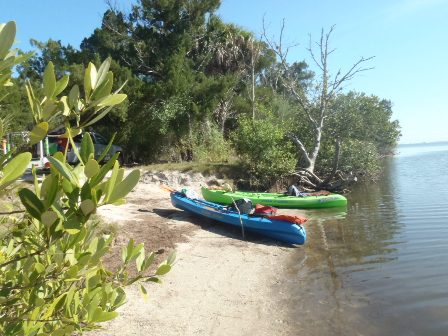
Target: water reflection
(379,267)
(364,235)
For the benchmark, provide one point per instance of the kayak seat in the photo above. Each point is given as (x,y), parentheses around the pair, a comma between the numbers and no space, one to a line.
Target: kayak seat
(264,210)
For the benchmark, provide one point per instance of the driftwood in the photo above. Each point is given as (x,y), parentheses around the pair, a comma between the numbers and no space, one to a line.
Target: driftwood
(336,181)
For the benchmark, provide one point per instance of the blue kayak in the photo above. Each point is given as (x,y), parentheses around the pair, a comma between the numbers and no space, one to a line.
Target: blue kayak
(281,230)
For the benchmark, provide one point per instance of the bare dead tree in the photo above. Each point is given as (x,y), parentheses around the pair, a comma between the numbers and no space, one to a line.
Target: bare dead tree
(316,100)
(254,50)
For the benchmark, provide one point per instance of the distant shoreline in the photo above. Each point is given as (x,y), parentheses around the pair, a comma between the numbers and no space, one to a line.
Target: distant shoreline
(435,143)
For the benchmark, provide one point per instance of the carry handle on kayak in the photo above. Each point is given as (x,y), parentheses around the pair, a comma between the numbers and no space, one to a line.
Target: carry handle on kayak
(167,188)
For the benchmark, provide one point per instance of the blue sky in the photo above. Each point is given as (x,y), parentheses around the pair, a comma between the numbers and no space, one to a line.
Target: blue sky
(407,37)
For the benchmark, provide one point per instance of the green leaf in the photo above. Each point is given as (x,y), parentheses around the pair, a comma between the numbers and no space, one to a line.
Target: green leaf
(163,269)
(83,259)
(92,168)
(30,95)
(73,96)
(104,170)
(87,148)
(59,156)
(14,169)
(120,175)
(10,247)
(102,316)
(73,197)
(130,249)
(49,80)
(49,189)
(89,80)
(5,80)
(86,193)
(93,247)
(87,207)
(111,182)
(7,36)
(93,281)
(39,132)
(32,204)
(96,118)
(124,254)
(121,201)
(49,109)
(140,261)
(93,74)
(67,186)
(143,291)
(49,217)
(171,258)
(65,107)
(106,150)
(105,88)
(67,330)
(61,84)
(70,295)
(136,251)
(154,279)
(103,71)
(91,307)
(39,267)
(149,260)
(125,187)
(113,99)
(131,252)
(72,225)
(64,170)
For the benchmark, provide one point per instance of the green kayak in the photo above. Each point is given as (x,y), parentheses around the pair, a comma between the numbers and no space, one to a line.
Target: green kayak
(276,199)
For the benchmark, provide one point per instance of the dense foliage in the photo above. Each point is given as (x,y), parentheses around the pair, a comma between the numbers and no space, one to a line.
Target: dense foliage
(193,80)
(264,150)
(52,280)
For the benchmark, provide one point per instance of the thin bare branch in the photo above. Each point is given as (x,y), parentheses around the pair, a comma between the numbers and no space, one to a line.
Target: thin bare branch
(311,51)
(352,72)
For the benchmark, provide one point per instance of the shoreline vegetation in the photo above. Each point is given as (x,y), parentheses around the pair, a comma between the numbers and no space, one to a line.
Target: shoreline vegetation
(171,82)
(206,91)
(431,143)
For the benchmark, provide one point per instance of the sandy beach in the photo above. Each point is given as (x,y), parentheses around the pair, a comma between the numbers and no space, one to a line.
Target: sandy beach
(220,284)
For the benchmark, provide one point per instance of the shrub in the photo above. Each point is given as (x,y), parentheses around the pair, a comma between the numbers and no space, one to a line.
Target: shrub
(361,158)
(263,150)
(51,275)
(211,146)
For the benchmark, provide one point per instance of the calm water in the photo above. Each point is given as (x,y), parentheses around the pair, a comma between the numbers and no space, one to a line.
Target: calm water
(381,266)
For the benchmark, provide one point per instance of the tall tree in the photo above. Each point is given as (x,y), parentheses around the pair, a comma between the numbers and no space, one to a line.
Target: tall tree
(191,63)
(315,101)
(365,118)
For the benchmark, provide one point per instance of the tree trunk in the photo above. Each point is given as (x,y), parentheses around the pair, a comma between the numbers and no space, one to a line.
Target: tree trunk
(316,104)
(253,86)
(334,170)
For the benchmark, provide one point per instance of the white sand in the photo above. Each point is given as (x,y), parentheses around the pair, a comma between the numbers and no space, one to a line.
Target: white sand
(219,285)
